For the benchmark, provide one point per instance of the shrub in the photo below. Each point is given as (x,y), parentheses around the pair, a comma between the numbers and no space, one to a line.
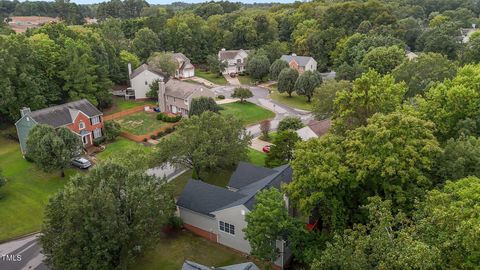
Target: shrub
(169,130)
(160,134)
(111,130)
(153,136)
(98,141)
(221,97)
(144,139)
(290,122)
(160,116)
(169,118)
(175,222)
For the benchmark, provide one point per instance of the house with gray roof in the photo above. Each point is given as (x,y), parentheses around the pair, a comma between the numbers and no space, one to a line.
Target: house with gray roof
(81,117)
(236,60)
(176,96)
(185,69)
(188,265)
(300,63)
(141,78)
(218,214)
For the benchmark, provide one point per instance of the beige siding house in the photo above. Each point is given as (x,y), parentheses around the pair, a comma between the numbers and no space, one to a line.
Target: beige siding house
(236,60)
(141,79)
(175,96)
(185,68)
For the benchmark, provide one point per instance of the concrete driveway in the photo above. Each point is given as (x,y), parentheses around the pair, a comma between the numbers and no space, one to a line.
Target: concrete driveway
(261,97)
(23,253)
(232,81)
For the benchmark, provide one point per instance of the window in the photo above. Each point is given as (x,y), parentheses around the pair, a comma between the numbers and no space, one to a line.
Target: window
(146,83)
(95,120)
(97,133)
(239,61)
(226,227)
(81,125)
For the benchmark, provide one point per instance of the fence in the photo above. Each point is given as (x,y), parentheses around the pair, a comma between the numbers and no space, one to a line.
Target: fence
(141,138)
(123,113)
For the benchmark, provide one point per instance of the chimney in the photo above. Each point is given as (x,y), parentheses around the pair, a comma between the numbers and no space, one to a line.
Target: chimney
(474,26)
(24,111)
(223,49)
(161,95)
(294,54)
(129,69)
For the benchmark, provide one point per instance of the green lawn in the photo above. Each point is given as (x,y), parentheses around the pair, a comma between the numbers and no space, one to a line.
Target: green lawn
(220,80)
(174,249)
(120,104)
(246,80)
(296,101)
(257,157)
(121,145)
(140,123)
(248,112)
(26,192)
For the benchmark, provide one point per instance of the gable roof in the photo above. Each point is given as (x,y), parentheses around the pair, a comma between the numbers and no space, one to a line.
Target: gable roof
(229,54)
(181,89)
(188,265)
(63,114)
(320,127)
(182,60)
(246,174)
(204,198)
(301,60)
(144,67)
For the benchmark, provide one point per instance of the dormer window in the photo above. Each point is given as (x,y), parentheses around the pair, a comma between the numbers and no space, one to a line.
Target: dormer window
(81,125)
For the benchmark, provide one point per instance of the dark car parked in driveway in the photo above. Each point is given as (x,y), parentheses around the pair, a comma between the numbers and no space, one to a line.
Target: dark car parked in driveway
(81,162)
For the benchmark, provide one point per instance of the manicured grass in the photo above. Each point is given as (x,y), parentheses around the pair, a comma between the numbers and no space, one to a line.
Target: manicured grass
(140,123)
(216,79)
(174,249)
(120,104)
(121,145)
(26,193)
(257,157)
(248,112)
(246,80)
(296,101)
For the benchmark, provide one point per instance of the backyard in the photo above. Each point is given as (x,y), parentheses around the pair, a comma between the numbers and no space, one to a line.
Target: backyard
(248,112)
(140,123)
(120,104)
(295,101)
(216,79)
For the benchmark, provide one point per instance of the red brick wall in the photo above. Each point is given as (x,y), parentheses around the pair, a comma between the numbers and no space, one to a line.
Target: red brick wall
(208,235)
(88,126)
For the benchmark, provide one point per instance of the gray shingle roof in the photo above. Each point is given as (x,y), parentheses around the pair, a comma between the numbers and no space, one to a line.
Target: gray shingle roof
(301,60)
(205,198)
(144,67)
(61,115)
(230,54)
(246,174)
(188,265)
(181,89)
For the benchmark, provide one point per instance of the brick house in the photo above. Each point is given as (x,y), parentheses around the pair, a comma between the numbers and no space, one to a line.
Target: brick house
(300,63)
(81,117)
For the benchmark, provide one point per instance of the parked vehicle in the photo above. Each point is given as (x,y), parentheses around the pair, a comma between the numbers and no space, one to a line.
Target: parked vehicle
(266,149)
(233,75)
(81,162)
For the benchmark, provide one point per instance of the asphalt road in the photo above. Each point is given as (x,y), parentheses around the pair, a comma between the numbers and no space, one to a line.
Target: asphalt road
(20,254)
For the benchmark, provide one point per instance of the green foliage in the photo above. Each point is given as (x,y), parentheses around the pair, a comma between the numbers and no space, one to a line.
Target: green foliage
(258,66)
(163,61)
(53,149)
(372,93)
(131,58)
(421,73)
(169,118)
(98,141)
(321,43)
(286,80)
(307,82)
(266,224)
(214,65)
(3,181)
(324,97)
(290,123)
(384,59)
(281,152)
(460,158)
(145,43)
(449,219)
(440,39)
(275,50)
(153,89)
(276,68)
(242,93)
(202,104)
(265,129)
(385,242)
(79,219)
(111,130)
(204,142)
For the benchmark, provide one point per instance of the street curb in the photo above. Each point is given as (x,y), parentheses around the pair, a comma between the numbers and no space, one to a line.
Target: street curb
(18,237)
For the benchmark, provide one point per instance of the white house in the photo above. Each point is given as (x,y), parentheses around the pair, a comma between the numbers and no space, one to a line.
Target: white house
(236,60)
(141,79)
(300,63)
(185,68)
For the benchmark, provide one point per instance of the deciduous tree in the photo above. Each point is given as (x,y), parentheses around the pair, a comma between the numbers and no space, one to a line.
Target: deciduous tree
(145,43)
(276,68)
(384,59)
(324,97)
(258,66)
(163,61)
(307,82)
(286,81)
(200,105)
(242,93)
(290,123)
(281,152)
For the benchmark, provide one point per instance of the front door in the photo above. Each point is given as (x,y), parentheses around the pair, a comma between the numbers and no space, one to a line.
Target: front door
(174,109)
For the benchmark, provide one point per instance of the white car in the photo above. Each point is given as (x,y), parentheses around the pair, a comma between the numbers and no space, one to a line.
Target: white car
(81,162)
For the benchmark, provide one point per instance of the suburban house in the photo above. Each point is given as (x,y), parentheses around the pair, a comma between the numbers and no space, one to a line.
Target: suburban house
(466,33)
(218,214)
(314,129)
(300,63)
(185,68)
(188,265)
(141,79)
(175,96)
(81,117)
(235,59)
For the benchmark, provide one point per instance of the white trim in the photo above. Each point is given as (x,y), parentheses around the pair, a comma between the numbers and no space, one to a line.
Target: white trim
(224,226)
